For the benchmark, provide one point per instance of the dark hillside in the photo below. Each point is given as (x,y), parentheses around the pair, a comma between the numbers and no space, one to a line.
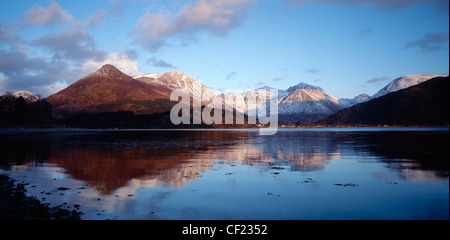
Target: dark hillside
(424,104)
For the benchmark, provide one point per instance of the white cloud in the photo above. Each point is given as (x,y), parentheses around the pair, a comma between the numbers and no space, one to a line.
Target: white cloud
(53,15)
(115,10)
(5,35)
(120,60)
(18,71)
(215,17)
(379,80)
(279,78)
(73,52)
(312,70)
(70,45)
(50,89)
(430,42)
(232,75)
(69,75)
(160,63)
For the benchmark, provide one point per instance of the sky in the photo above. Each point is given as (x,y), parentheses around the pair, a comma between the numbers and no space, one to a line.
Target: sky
(346,47)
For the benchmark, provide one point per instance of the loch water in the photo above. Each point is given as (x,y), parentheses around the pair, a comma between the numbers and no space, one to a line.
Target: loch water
(323,173)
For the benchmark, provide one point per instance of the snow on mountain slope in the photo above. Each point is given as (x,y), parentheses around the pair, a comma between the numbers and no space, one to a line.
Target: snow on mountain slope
(348,102)
(249,101)
(302,102)
(178,80)
(308,99)
(405,82)
(299,99)
(29,97)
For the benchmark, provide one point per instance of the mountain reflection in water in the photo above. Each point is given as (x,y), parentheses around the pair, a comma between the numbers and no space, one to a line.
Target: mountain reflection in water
(108,160)
(361,173)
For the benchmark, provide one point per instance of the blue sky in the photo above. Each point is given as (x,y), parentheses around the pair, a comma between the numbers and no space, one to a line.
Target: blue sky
(347,47)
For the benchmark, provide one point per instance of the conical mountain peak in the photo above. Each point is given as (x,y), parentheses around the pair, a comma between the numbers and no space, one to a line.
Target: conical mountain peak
(110,71)
(303,85)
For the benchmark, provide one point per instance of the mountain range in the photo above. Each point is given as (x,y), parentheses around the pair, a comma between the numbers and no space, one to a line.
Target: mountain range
(110,90)
(307,103)
(426,103)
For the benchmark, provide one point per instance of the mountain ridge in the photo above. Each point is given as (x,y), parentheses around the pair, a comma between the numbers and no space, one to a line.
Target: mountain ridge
(405,82)
(109,89)
(424,104)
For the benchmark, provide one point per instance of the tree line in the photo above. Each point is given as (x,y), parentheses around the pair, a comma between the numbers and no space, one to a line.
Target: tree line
(16,111)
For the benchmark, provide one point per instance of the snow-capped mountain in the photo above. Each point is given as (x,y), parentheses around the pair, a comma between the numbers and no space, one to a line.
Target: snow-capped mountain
(108,89)
(361,98)
(248,102)
(304,86)
(426,103)
(29,97)
(178,80)
(405,82)
(348,102)
(302,102)
(307,99)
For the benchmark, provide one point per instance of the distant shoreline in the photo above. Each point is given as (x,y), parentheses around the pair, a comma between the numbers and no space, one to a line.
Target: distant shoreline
(7,131)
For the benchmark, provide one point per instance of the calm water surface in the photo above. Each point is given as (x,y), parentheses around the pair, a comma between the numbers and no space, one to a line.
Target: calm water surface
(378,173)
